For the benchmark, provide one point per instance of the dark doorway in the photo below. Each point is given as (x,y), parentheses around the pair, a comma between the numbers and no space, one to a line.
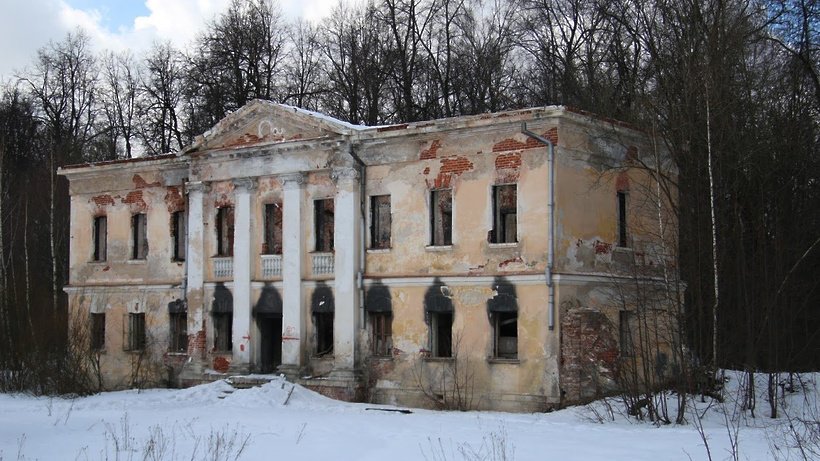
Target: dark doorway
(270,341)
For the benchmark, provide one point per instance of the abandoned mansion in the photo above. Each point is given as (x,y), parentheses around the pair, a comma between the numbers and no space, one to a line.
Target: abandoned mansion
(468,262)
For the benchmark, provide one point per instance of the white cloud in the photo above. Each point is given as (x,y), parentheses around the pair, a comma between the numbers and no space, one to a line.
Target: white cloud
(26,26)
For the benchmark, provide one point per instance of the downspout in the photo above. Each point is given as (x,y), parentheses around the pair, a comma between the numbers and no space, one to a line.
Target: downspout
(548,272)
(362,223)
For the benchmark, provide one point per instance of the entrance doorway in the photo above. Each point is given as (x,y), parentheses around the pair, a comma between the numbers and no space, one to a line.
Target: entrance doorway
(270,341)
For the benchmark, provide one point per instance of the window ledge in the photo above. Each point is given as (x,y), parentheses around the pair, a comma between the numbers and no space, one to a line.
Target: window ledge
(500,360)
(176,353)
(379,250)
(381,358)
(439,359)
(504,245)
(136,261)
(95,262)
(439,247)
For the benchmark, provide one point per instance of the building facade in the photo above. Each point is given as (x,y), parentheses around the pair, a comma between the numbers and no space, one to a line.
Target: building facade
(461,263)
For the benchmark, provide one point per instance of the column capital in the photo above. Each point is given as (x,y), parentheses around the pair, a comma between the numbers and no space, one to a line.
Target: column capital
(197,186)
(244,184)
(345,176)
(292,180)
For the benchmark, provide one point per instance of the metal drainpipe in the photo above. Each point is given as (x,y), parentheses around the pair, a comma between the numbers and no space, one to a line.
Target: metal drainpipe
(363,209)
(551,205)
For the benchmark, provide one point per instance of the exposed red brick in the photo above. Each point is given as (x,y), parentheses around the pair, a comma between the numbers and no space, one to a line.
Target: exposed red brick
(602,247)
(631,154)
(430,153)
(511,160)
(455,165)
(102,200)
(223,200)
(589,354)
(135,200)
(426,170)
(507,262)
(140,183)
(221,364)
(174,199)
(622,182)
(442,181)
(196,343)
(529,143)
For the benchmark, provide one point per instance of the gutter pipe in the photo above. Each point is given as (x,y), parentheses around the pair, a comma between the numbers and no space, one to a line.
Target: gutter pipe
(548,272)
(363,209)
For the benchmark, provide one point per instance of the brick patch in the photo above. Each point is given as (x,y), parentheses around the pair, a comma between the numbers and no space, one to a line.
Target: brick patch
(589,355)
(430,153)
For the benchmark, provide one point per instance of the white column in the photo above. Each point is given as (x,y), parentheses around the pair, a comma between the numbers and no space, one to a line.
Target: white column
(347,240)
(292,253)
(195,267)
(242,272)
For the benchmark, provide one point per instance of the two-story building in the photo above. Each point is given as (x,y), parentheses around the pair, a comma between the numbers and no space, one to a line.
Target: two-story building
(463,262)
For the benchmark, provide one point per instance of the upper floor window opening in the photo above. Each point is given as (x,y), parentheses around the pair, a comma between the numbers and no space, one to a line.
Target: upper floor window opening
(505,214)
(380,221)
(623,236)
(272,243)
(139,236)
(100,235)
(179,234)
(224,231)
(323,214)
(441,217)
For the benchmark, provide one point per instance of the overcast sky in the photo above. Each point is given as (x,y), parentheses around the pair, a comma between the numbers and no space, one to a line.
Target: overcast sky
(27,25)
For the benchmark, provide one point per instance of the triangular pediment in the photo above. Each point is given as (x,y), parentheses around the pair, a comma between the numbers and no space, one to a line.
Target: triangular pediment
(263,122)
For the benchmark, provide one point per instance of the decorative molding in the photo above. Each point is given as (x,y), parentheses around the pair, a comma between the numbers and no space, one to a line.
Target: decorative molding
(244,184)
(344,175)
(197,186)
(292,180)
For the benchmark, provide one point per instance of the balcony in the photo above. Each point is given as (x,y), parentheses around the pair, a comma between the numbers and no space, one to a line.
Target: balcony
(223,267)
(271,266)
(322,263)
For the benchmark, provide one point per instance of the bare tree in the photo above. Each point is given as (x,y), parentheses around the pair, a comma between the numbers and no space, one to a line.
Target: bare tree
(121,86)
(161,97)
(303,67)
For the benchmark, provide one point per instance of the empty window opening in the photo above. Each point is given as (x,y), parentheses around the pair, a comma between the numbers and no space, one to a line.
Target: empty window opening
(139,236)
(224,231)
(381,333)
(178,322)
(441,217)
(323,323)
(135,332)
(179,234)
(272,244)
(97,332)
(505,328)
(380,221)
(505,217)
(441,334)
(223,331)
(625,321)
(100,234)
(323,219)
(622,234)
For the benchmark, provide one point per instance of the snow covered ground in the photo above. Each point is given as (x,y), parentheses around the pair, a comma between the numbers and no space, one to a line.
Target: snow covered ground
(209,422)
